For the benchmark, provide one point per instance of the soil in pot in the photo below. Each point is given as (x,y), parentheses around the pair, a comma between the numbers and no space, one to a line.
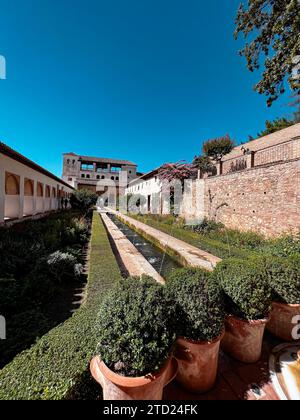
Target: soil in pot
(116,387)
(282,321)
(243,339)
(197,364)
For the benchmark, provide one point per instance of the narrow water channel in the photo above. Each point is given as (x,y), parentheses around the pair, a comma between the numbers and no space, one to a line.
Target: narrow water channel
(161,261)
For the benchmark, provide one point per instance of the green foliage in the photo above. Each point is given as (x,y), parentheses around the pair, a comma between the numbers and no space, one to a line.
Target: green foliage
(274,30)
(285,246)
(63,266)
(56,367)
(217,148)
(247,291)
(83,199)
(206,226)
(284,279)
(37,270)
(134,331)
(199,304)
(276,125)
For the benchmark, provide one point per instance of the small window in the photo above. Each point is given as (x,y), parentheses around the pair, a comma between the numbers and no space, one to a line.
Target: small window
(70,179)
(117,178)
(103,177)
(112,178)
(73,161)
(88,176)
(82,176)
(98,176)
(68,161)
(87,167)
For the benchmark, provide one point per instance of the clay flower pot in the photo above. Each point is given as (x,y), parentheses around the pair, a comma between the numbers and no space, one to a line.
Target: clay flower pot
(197,363)
(281,321)
(243,339)
(117,387)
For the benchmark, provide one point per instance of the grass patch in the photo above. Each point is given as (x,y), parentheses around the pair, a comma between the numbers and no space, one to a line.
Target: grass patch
(56,367)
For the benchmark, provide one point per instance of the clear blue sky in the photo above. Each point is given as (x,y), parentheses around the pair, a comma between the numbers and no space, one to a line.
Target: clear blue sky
(145,80)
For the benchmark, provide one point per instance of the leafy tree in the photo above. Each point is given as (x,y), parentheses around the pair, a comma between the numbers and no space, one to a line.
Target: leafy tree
(274,26)
(213,151)
(83,199)
(217,148)
(276,125)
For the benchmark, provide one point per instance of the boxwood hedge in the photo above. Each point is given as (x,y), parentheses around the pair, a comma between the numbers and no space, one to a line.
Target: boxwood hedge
(284,279)
(246,288)
(56,367)
(199,304)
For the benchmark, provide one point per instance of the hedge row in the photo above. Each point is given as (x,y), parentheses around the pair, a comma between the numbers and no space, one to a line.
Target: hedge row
(56,367)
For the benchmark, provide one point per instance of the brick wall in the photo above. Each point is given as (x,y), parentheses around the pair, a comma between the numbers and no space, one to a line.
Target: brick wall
(264,199)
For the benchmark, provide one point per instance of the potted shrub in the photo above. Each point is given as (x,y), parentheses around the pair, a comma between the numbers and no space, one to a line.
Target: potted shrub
(248,305)
(284,279)
(135,339)
(199,326)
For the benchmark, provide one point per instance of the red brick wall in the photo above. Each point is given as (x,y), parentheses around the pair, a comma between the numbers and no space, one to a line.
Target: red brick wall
(265,199)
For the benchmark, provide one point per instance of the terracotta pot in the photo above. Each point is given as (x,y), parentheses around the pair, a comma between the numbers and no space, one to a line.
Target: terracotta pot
(197,363)
(243,339)
(117,387)
(281,321)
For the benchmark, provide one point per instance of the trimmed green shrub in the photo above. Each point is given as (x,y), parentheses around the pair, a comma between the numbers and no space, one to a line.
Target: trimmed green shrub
(134,331)
(56,367)
(246,288)
(284,279)
(199,304)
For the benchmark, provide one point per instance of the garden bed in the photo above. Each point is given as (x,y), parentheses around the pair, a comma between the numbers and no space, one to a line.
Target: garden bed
(41,273)
(56,366)
(220,241)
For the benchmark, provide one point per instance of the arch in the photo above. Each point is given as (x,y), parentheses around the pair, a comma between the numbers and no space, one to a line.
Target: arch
(28,187)
(53,192)
(48,191)
(40,189)
(12,184)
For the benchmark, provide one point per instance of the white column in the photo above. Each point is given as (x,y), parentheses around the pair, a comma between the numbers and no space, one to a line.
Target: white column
(2,194)
(34,196)
(21,198)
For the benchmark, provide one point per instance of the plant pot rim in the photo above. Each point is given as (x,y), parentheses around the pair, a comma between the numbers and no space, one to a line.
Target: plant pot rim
(248,321)
(132,382)
(203,342)
(291,305)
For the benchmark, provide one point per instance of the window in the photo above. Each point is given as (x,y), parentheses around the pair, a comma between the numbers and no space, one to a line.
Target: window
(68,161)
(102,168)
(73,161)
(98,176)
(88,176)
(117,178)
(112,178)
(82,176)
(70,179)
(87,166)
(115,168)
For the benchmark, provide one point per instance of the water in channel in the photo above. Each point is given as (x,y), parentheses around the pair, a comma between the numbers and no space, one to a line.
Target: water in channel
(161,261)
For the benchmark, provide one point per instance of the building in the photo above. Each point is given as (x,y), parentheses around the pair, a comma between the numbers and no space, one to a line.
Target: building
(256,188)
(97,174)
(26,189)
(149,186)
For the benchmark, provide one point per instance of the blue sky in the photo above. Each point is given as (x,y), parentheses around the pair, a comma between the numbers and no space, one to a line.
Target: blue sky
(145,80)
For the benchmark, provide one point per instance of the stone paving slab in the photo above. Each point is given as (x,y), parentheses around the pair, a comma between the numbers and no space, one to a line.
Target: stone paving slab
(189,254)
(134,262)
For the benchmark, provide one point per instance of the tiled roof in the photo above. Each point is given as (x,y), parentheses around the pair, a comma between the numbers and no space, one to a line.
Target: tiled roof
(102,160)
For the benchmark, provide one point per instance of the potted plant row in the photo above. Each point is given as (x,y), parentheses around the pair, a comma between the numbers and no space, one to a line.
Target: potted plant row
(284,279)
(248,306)
(199,321)
(136,338)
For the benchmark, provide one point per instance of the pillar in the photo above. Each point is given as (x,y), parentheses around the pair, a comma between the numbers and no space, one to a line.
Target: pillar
(21,197)
(2,195)
(34,196)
